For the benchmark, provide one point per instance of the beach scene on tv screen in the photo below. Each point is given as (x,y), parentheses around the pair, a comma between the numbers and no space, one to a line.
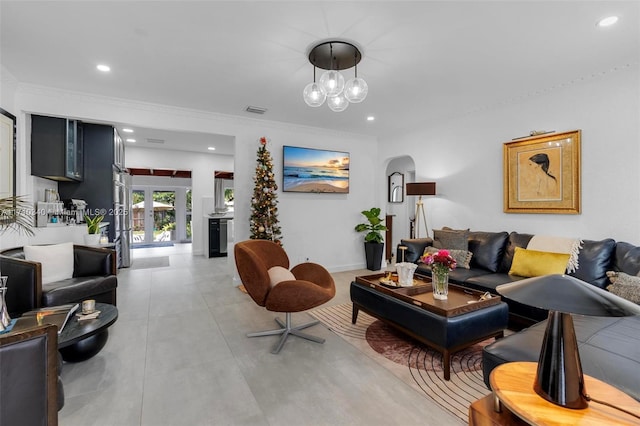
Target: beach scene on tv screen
(315,170)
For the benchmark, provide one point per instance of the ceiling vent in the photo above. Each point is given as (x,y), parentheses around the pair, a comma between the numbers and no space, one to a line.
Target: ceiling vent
(256,110)
(156,141)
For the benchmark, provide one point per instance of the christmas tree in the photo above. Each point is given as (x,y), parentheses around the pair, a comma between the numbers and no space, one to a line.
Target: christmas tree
(264,204)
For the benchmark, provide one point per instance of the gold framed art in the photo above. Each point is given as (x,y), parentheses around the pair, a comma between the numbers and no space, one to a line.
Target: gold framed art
(542,174)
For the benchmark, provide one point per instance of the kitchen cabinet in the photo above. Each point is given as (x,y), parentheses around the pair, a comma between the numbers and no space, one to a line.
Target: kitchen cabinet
(57,146)
(98,187)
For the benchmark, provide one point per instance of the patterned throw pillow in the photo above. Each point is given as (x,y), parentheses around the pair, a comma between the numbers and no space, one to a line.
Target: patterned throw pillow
(451,239)
(625,286)
(462,257)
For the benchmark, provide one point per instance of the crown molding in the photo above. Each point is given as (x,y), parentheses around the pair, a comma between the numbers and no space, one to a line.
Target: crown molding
(153,108)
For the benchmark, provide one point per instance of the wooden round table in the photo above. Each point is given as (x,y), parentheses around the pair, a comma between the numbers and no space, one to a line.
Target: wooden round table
(512,385)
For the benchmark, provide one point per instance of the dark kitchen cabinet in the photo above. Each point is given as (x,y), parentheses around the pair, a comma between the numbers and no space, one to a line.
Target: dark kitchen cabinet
(57,146)
(97,189)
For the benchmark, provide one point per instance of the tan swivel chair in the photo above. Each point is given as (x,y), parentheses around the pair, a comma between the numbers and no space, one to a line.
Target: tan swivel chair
(312,286)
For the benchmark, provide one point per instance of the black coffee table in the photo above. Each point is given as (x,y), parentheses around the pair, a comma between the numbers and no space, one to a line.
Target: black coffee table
(81,340)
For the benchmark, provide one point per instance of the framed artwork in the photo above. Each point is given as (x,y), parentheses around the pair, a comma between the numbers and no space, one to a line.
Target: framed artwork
(396,187)
(542,174)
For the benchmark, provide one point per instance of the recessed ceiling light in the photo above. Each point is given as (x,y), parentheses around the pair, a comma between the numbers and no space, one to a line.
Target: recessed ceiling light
(103,68)
(608,21)
(370,118)
(211,148)
(127,130)
(131,140)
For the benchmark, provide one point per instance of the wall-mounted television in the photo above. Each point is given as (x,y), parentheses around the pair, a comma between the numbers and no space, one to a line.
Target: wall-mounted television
(315,170)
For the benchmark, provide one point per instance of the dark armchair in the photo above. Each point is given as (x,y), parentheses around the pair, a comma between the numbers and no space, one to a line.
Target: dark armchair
(94,277)
(29,383)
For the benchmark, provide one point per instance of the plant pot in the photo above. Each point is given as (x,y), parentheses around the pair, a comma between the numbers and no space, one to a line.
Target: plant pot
(374,252)
(92,239)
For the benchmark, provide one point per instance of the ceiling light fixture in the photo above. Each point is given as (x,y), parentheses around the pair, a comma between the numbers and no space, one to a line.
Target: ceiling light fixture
(103,68)
(211,148)
(126,130)
(334,56)
(608,21)
(131,140)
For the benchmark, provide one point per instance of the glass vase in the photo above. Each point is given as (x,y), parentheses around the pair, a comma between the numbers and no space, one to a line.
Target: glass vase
(440,282)
(5,319)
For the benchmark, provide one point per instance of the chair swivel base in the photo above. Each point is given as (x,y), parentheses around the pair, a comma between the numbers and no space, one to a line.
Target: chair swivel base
(286,329)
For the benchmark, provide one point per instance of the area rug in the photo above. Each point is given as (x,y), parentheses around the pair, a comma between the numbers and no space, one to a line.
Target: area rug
(412,362)
(150,262)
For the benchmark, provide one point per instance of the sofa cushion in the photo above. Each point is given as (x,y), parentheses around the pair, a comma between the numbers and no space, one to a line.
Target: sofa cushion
(624,285)
(627,258)
(414,249)
(515,240)
(462,257)
(56,260)
(451,239)
(595,259)
(487,249)
(534,263)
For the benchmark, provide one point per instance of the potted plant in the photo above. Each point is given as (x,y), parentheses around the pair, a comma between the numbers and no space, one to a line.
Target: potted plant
(373,240)
(16,213)
(93,229)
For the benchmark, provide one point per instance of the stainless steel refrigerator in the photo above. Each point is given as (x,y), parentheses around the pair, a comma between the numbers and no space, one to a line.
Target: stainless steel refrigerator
(123,219)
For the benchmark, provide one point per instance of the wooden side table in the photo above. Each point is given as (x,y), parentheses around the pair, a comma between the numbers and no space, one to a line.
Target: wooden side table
(512,384)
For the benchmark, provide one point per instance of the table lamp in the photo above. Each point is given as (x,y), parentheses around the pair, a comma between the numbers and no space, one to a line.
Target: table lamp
(420,189)
(559,377)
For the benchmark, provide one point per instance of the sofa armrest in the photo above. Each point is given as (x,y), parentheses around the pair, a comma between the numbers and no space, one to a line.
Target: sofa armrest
(24,286)
(93,261)
(415,249)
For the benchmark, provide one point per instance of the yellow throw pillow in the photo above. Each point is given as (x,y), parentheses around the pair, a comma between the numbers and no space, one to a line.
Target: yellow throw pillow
(533,263)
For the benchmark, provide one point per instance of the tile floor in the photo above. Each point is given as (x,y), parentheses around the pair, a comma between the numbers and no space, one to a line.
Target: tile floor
(178,355)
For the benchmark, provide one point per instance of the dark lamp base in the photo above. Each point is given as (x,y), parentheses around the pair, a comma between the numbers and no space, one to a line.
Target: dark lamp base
(559,378)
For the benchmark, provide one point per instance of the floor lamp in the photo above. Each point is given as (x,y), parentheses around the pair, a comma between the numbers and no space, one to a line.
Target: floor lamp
(420,189)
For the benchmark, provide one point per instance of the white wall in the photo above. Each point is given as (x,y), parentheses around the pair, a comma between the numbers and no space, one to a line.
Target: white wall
(202,167)
(315,226)
(464,157)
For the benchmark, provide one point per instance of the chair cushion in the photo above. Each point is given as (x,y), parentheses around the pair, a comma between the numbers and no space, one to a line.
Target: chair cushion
(534,263)
(75,290)
(277,274)
(56,260)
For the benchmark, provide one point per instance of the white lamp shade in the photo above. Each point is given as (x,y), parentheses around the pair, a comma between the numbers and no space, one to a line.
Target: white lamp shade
(337,103)
(332,83)
(313,96)
(355,90)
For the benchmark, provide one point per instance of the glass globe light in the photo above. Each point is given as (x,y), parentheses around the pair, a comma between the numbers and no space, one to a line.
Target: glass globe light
(356,90)
(313,95)
(337,103)
(332,83)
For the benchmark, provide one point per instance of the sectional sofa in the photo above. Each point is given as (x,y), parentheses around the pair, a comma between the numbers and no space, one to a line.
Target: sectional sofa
(609,347)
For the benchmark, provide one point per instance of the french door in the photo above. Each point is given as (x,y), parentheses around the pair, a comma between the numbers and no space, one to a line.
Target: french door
(156,214)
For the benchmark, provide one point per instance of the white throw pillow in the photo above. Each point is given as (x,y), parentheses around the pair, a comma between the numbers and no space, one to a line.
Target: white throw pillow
(56,260)
(277,274)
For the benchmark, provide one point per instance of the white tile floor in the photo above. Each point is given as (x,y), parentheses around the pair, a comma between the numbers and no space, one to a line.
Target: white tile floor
(178,355)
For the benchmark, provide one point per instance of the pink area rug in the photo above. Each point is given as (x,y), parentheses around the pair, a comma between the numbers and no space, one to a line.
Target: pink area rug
(417,365)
